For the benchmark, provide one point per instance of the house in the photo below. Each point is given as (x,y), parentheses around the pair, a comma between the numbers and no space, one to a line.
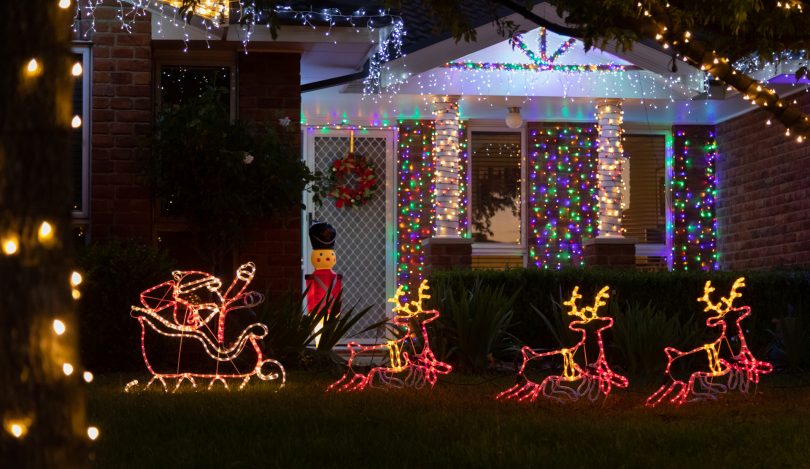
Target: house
(490,154)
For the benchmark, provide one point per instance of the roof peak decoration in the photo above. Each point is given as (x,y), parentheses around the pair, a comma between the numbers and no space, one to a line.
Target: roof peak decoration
(542,62)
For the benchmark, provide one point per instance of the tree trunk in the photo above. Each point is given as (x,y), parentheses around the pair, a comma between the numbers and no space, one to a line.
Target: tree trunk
(37,399)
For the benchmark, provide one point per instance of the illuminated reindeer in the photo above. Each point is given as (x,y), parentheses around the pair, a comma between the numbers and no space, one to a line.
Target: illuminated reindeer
(592,377)
(714,359)
(406,366)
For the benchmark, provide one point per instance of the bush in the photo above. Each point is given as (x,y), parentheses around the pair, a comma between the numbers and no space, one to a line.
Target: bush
(472,328)
(672,299)
(115,273)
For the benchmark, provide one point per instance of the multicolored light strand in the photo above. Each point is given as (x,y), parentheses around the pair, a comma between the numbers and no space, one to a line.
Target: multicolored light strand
(416,196)
(579,377)
(190,315)
(543,63)
(721,358)
(410,361)
(563,194)
(694,190)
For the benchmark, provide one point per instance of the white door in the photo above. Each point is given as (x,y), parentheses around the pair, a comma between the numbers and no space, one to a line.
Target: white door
(365,235)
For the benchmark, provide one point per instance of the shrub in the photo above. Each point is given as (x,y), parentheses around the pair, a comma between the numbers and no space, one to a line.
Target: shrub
(473,325)
(115,273)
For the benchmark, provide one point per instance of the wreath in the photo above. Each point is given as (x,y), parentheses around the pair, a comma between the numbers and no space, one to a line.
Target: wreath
(365,181)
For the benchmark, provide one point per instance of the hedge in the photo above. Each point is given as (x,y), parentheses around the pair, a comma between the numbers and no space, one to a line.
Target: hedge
(778,299)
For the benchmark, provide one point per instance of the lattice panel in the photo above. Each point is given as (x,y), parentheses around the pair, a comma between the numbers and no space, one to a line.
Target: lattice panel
(360,245)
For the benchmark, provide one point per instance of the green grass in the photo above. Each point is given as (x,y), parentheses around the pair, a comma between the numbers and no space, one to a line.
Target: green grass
(456,424)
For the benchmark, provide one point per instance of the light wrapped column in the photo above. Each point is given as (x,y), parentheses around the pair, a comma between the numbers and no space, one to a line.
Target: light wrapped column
(611,159)
(446,180)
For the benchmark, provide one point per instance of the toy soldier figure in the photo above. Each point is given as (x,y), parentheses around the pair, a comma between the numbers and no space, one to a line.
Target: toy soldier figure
(323,280)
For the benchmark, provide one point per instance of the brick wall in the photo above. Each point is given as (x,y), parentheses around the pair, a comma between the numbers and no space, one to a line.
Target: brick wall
(121,126)
(269,89)
(763,203)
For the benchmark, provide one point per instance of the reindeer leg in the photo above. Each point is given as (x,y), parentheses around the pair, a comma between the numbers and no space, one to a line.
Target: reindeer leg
(158,378)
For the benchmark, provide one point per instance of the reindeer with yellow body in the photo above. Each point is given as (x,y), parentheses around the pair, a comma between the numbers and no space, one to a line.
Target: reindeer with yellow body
(410,361)
(579,377)
(715,359)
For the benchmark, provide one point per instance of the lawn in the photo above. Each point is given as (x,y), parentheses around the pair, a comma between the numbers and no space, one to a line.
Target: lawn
(456,424)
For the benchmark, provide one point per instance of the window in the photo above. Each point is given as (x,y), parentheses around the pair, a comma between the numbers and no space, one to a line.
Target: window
(495,180)
(180,83)
(80,135)
(644,217)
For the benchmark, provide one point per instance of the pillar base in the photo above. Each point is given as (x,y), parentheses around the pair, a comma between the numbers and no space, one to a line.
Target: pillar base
(610,252)
(447,254)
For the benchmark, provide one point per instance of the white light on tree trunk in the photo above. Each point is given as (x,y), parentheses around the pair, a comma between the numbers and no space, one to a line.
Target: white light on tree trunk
(513,118)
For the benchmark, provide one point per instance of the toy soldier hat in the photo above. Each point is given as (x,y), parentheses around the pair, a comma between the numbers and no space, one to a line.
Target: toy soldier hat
(322,236)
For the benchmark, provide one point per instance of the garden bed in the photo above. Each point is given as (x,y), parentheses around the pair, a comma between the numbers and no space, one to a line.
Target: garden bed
(456,424)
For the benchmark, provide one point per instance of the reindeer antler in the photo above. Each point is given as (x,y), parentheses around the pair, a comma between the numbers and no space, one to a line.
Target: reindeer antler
(410,308)
(598,302)
(575,311)
(728,302)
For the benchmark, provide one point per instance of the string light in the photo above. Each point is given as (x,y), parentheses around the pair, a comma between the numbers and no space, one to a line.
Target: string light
(10,245)
(64,4)
(579,377)
(45,233)
(541,63)
(17,428)
(694,186)
(76,70)
(76,122)
(446,175)
(740,365)
(75,279)
(33,69)
(87,376)
(67,368)
(191,312)
(612,186)
(59,327)
(215,15)
(92,433)
(563,200)
(408,364)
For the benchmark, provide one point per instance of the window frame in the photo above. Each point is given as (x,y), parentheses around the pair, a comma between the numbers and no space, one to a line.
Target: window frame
(86,51)
(665,249)
(497,249)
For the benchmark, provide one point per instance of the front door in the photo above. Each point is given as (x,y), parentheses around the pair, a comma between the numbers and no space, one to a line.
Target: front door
(365,235)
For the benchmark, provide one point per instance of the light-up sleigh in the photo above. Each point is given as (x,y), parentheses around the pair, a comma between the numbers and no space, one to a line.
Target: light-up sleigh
(191,329)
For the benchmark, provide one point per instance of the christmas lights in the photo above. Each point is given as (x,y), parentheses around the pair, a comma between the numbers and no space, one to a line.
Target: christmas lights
(580,377)
(416,195)
(543,63)
(410,361)
(611,160)
(563,202)
(446,177)
(694,188)
(217,14)
(193,318)
(715,359)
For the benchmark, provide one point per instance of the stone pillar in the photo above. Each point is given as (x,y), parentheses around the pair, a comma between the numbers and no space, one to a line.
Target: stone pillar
(445,154)
(446,250)
(610,248)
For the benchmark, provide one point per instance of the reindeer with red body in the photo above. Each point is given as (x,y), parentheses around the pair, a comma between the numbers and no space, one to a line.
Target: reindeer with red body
(411,362)
(713,359)
(579,377)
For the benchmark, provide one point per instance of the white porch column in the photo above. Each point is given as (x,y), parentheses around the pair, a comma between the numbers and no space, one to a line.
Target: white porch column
(609,125)
(446,148)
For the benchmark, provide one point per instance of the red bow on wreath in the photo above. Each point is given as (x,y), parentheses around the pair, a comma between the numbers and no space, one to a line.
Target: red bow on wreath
(365,181)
